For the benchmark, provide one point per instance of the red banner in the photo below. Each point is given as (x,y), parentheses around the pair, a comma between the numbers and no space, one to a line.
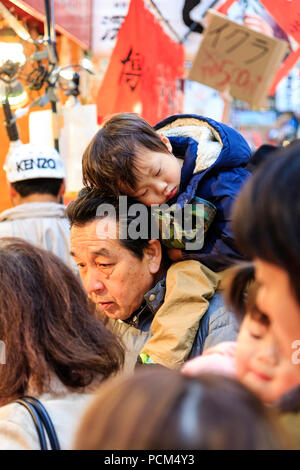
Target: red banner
(287,14)
(72,17)
(224,7)
(144,70)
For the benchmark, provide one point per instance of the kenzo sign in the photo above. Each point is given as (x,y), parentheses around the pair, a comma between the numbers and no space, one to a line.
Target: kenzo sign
(30,164)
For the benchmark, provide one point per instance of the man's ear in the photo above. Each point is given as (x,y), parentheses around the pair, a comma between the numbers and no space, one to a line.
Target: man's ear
(62,189)
(153,253)
(13,194)
(165,141)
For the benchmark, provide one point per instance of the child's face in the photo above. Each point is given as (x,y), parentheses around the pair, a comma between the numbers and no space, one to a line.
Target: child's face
(259,363)
(276,298)
(159,177)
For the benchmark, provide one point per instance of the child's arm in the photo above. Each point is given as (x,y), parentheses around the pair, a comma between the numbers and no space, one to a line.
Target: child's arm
(219,359)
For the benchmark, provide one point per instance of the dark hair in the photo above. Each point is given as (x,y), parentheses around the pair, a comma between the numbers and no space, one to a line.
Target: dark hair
(110,158)
(266,216)
(38,186)
(46,325)
(241,291)
(161,409)
(260,155)
(83,210)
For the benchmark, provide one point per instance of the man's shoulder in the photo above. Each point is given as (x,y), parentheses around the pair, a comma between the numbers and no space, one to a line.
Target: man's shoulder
(218,324)
(132,338)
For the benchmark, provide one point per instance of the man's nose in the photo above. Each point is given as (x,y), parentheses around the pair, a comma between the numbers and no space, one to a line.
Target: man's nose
(92,283)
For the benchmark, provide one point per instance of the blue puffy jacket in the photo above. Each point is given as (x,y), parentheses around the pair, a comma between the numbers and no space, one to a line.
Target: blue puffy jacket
(215,157)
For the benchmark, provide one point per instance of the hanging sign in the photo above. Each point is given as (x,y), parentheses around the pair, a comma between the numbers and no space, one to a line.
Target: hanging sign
(238,59)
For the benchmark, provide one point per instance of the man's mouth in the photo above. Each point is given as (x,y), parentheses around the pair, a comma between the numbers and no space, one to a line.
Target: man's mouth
(104,305)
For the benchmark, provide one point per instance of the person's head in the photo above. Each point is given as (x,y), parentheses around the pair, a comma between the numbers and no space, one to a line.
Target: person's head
(260,364)
(127,156)
(34,174)
(47,325)
(266,223)
(161,409)
(260,155)
(116,272)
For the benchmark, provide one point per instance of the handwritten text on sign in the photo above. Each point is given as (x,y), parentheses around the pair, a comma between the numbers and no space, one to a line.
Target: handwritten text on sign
(232,56)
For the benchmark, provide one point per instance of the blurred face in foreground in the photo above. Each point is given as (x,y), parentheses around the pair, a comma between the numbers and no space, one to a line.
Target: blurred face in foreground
(259,362)
(115,279)
(276,298)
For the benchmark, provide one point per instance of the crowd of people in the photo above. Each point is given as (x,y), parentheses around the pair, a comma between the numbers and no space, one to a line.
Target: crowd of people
(188,338)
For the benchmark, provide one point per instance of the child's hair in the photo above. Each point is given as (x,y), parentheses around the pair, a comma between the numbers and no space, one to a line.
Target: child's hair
(241,291)
(110,158)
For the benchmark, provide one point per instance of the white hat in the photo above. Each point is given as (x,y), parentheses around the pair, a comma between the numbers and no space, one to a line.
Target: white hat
(31,161)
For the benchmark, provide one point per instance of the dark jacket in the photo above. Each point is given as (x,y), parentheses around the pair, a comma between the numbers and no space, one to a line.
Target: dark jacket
(215,157)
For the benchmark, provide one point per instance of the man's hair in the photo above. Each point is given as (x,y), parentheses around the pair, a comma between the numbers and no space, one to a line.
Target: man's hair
(38,186)
(47,325)
(84,210)
(266,216)
(110,158)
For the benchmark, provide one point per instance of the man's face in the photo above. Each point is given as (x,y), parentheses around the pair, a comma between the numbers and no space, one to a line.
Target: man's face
(113,277)
(276,298)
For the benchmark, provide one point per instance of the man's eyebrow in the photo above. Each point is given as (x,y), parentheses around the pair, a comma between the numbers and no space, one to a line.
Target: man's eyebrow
(102,252)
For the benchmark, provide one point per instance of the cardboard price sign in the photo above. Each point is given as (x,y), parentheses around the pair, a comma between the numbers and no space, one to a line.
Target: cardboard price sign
(234,57)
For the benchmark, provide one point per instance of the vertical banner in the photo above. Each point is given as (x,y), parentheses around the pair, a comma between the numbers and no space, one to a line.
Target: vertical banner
(287,14)
(145,68)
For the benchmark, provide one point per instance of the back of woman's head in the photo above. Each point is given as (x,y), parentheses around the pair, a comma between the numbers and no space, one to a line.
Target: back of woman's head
(162,409)
(266,216)
(47,326)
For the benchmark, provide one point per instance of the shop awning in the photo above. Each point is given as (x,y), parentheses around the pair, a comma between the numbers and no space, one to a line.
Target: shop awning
(72,18)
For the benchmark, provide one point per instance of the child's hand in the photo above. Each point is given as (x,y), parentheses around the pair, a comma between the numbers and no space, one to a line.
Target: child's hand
(174,254)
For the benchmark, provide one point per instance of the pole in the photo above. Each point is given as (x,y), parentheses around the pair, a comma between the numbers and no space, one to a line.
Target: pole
(227,100)
(10,122)
(50,36)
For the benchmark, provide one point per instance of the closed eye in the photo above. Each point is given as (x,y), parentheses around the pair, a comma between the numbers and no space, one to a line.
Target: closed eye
(158,173)
(144,193)
(255,336)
